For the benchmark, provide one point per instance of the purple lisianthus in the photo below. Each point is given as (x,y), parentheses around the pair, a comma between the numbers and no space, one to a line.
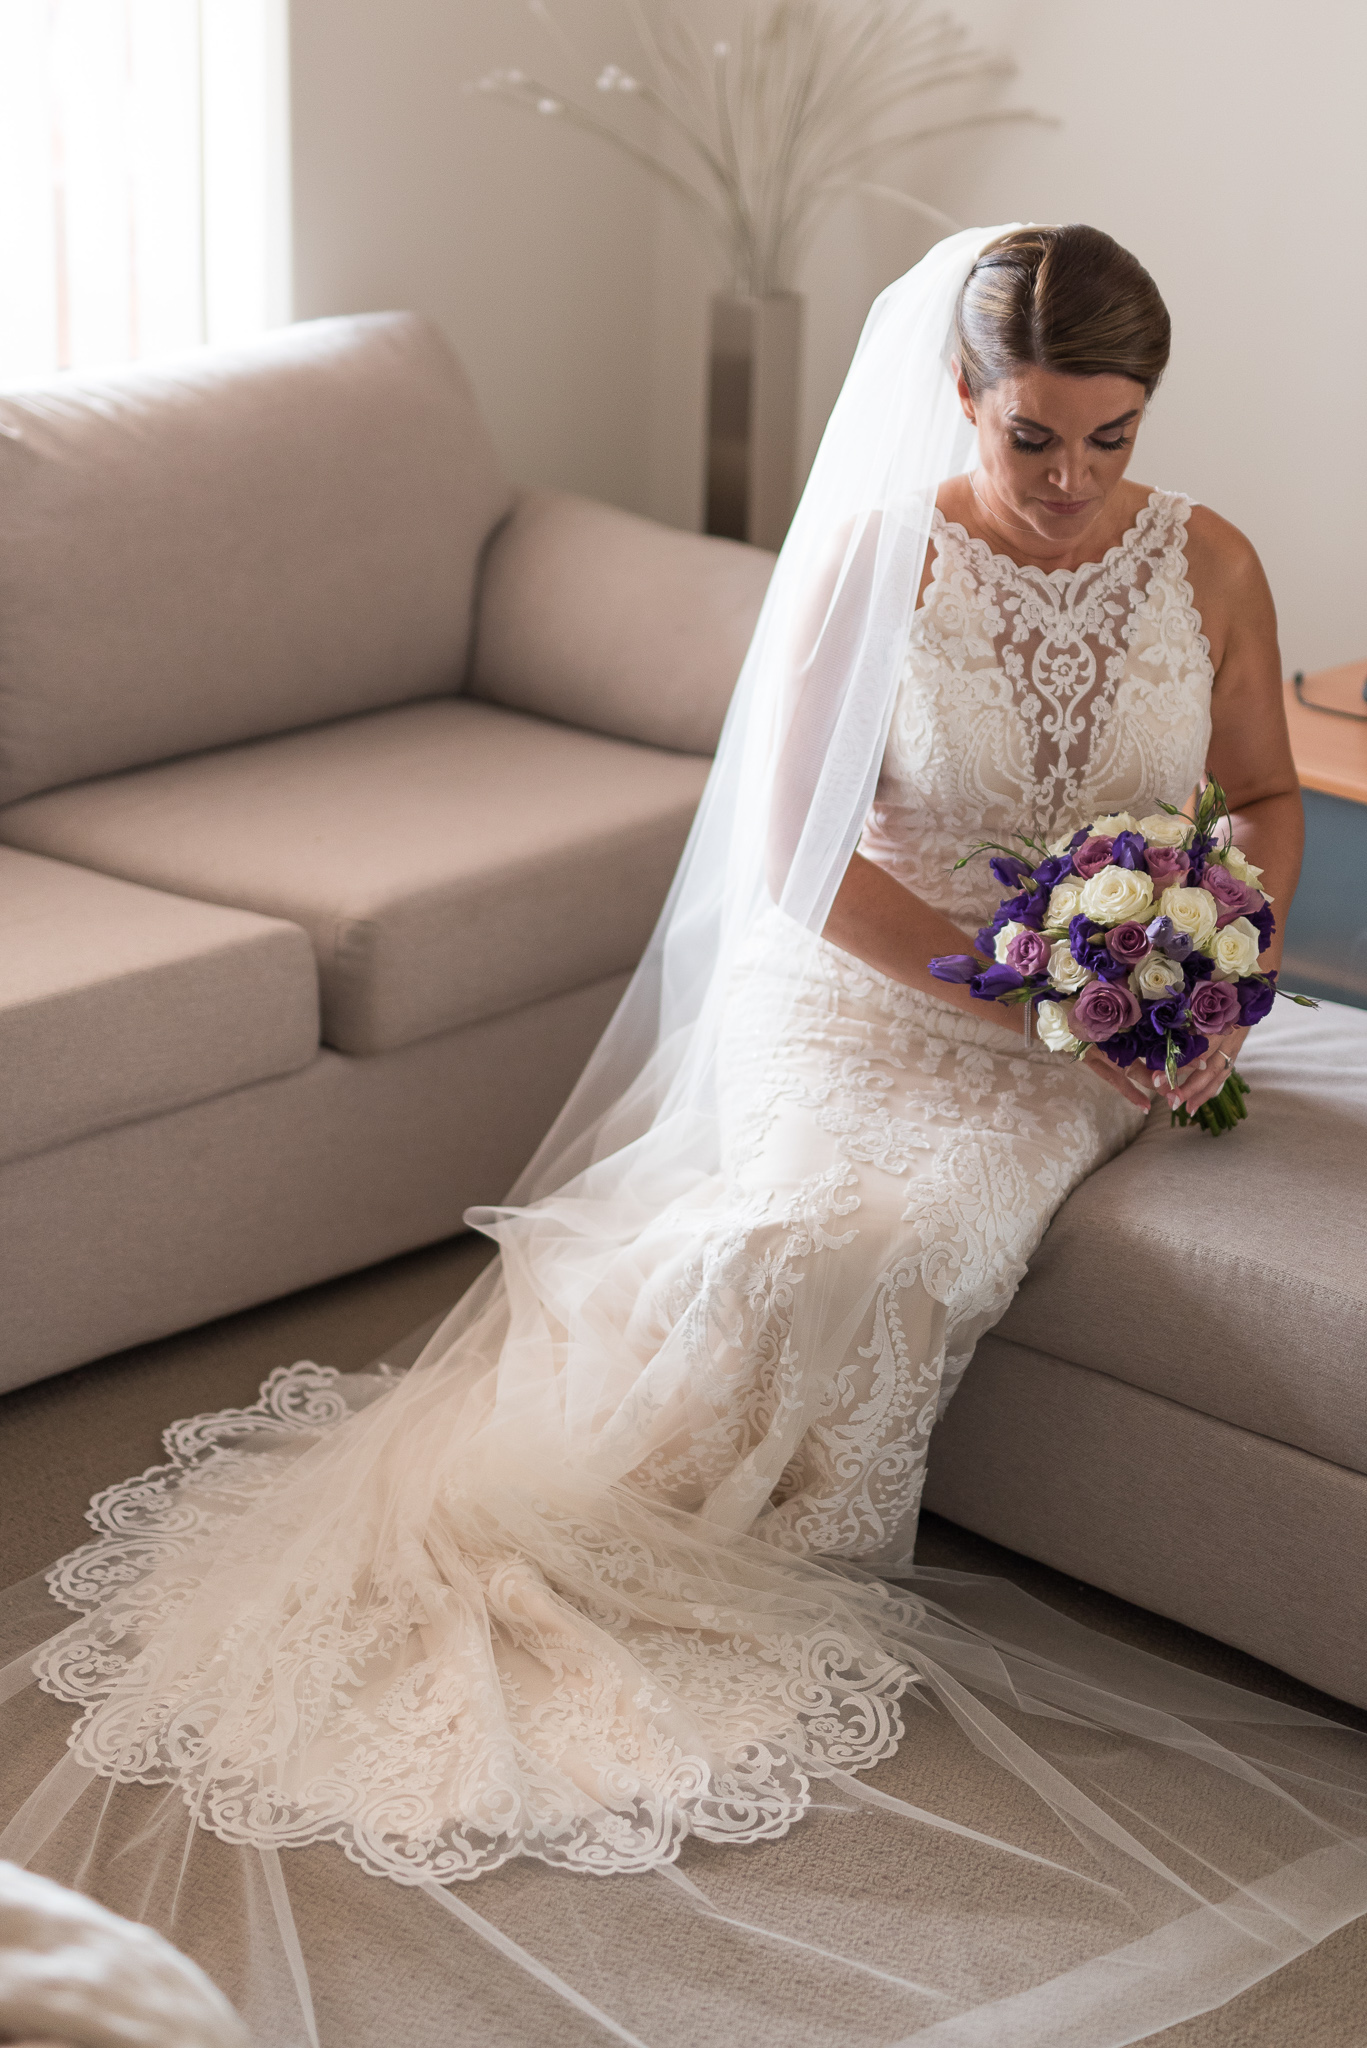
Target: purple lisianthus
(1256,996)
(1092,856)
(1028,953)
(1189,1046)
(1056,869)
(1214,1006)
(1197,966)
(1125,1048)
(1128,850)
(1170,1014)
(1087,944)
(1103,1009)
(1165,938)
(1167,864)
(1264,924)
(1009,869)
(995,981)
(955,966)
(1027,908)
(1235,898)
(1128,942)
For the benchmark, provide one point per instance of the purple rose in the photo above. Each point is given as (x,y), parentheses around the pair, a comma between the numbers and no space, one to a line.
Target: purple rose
(1103,1009)
(1088,947)
(1235,898)
(955,966)
(995,981)
(1214,1006)
(1092,856)
(1009,869)
(1256,996)
(1128,850)
(1164,936)
(1167,864)
(1129,943)
(1028,953)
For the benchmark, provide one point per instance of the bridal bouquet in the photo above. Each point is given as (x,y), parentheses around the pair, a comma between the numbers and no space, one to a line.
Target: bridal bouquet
(1139,937)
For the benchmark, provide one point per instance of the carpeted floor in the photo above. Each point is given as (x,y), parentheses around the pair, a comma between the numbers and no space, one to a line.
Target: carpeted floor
(64,1439)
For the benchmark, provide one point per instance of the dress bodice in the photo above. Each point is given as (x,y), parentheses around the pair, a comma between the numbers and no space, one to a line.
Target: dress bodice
(1034,701)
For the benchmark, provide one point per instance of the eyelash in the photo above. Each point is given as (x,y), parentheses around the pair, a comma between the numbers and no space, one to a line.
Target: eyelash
(1038,447)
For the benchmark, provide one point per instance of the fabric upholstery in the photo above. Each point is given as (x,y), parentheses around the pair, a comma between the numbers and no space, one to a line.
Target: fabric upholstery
(234,542)
(615,623)
(1248,1539)
(168,1221)
(1230,1274)
(449,860)
(118,1002)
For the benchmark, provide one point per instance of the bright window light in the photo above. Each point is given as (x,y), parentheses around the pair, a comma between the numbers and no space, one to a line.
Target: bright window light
(143,178)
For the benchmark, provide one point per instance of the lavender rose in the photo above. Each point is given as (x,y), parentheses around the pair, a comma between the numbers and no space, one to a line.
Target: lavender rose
(1103,1009)
(1028,953)
(1234,897)
(1129,942)
(1092,856)
(1214,1006)
(1167,864)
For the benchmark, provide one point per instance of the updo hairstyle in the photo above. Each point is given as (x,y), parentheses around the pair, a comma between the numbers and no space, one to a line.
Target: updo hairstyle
(1061,298)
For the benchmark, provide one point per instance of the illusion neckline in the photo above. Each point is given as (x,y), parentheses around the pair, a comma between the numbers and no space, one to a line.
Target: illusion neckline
(1062,577)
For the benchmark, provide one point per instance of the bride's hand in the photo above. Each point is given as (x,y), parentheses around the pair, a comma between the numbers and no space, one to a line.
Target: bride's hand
(1205,1076)
(1131,1082)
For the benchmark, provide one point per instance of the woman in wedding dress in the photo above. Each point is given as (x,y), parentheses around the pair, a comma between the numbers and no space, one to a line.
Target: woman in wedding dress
(622,1566)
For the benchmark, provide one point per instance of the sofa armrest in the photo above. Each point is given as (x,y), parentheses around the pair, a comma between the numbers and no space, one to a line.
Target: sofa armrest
(596,618)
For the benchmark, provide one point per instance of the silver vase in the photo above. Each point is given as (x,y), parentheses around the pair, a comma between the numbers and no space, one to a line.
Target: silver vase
(752,416)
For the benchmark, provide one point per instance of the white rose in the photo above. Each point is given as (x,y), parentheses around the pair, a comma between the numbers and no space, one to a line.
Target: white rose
(1064,971)
(1116,895)
(1053,1020)
(1064,842)
(1193,911)
(1108,828)
(1242,869)
(1236,949)
(1005,936)
(1153,977)
(1161,830)
(1065,901)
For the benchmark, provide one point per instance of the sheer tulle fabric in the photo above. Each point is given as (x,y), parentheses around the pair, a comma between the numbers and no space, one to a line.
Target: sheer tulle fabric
(591,1584)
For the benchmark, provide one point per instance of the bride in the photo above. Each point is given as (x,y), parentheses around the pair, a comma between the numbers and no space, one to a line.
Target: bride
(620,1569)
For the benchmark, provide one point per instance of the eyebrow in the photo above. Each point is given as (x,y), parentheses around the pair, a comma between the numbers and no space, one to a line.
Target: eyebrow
(1123,420)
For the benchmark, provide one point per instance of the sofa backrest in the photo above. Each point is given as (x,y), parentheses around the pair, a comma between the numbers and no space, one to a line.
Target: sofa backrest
(600,619)
(229,543)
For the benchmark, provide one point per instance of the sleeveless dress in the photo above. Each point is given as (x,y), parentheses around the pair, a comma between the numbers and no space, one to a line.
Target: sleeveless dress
(391,1611)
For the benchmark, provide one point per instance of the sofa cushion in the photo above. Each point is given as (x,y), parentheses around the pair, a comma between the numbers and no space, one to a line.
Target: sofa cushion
(234,542)
(615,623)
(1230,1274)
(119,1002)
(449,860)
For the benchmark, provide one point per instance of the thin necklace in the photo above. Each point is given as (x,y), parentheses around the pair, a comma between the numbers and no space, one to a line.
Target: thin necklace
(992,517)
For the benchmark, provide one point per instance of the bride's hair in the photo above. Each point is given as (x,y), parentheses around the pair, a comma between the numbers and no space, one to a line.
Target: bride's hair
(1061,298)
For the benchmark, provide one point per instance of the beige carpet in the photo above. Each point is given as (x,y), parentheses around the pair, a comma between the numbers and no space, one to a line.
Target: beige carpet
(62,1440)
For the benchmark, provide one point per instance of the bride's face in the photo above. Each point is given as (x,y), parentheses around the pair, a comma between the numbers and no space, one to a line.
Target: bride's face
(1053,449)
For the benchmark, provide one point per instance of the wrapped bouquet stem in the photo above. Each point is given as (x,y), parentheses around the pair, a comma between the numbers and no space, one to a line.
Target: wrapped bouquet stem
(1141,937)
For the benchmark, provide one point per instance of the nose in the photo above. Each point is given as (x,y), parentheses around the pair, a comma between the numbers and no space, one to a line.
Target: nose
(1071,474)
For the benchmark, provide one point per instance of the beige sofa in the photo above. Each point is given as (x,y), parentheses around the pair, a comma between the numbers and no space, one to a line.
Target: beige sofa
(339,791)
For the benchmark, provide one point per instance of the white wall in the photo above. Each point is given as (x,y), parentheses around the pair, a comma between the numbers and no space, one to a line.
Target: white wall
(524,240)
(1222,140)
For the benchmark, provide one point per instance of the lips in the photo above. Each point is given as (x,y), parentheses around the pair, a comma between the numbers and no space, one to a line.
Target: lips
(1065,508)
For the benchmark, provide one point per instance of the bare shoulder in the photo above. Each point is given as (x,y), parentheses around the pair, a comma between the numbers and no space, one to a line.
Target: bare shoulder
(1222,562)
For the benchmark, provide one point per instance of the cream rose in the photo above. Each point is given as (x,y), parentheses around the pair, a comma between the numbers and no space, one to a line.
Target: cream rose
(1064,971)
(1065,901)
(1153,977)
(1243,870)
(1005,936)
(1115,895)
(1193,911)
(1112,827)
(1161,830)
(1052,1021)
(1235,950)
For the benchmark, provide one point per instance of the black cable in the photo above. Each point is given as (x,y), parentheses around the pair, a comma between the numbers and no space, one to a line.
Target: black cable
(1330,710)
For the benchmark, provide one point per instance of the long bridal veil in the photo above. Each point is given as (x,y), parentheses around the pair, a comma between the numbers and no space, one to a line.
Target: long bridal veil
(520,1612)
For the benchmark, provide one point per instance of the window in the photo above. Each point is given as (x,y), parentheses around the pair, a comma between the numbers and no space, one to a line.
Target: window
(143,178)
